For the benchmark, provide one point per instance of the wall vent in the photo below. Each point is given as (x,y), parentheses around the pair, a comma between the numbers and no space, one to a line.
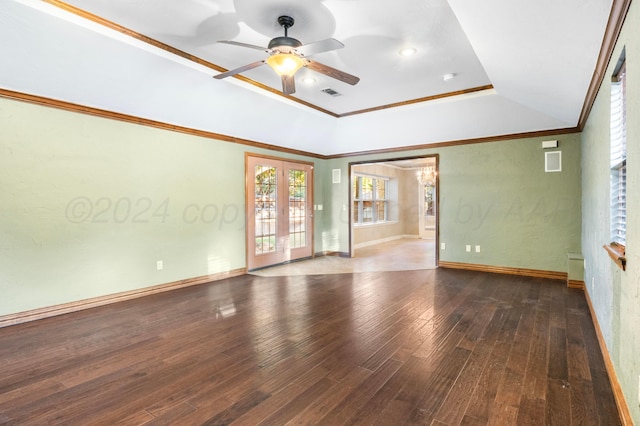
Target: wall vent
(330,91)
(553,161)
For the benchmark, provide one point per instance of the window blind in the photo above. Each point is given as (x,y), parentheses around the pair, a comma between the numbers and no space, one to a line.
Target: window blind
(618,159)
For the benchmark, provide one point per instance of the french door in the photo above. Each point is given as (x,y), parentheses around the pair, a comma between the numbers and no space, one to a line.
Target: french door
(279,211)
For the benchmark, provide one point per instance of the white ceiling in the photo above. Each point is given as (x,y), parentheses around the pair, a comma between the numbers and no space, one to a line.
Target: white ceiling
(538,56)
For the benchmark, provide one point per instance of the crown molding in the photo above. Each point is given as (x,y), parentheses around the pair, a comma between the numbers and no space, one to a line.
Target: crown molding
(618,14)
(69,106)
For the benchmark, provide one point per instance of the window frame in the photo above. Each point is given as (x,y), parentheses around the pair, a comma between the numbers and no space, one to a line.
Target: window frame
(618,165)
(359,200)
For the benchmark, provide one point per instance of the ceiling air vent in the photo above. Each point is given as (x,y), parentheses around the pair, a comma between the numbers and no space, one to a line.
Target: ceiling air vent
(331,92)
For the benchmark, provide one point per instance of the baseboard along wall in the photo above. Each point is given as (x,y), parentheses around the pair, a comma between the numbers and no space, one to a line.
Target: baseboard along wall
(65,308)
(554,275)
(621,403)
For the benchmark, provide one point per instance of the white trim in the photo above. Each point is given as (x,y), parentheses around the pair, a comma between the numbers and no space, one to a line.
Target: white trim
(386,240)
(371,224)
(380,241)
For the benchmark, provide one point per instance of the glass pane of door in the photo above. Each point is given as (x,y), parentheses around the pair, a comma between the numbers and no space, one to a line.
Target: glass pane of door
(266,209)
(297,208)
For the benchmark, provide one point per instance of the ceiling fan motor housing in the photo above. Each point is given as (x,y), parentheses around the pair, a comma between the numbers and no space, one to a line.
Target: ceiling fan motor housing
(286,42)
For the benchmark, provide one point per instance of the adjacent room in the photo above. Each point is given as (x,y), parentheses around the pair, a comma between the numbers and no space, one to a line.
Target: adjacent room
(327,212)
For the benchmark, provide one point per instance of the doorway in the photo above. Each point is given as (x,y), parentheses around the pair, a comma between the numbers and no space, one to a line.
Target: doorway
(407,204)
(279,210)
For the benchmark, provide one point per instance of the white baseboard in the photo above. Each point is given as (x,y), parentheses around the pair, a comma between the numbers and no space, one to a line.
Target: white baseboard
(383,240)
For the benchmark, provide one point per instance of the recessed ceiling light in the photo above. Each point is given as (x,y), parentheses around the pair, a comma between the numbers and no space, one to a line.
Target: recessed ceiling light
(408,51)
(448,77)
(308,80)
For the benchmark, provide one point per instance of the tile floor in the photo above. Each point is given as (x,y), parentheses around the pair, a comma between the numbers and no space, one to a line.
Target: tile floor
(398,255)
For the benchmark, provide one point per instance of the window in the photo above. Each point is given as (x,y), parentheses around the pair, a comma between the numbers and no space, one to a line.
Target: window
(618,156)
(370,199)
(618,170)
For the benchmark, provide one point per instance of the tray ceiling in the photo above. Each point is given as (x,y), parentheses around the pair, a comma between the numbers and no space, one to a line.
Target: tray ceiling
(518,67)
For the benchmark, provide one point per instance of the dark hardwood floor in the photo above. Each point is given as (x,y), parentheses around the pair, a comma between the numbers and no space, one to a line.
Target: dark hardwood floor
(439,347)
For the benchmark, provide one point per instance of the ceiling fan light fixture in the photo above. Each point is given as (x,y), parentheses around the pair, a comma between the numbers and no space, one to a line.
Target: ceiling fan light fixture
(286,64)
(287,55)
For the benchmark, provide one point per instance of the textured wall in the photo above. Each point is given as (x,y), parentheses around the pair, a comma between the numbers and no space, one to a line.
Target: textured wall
(409,200)
(614,293)
(498,196)
(89,205)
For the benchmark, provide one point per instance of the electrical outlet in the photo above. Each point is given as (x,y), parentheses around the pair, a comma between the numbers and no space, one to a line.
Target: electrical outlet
(477,249)
(443,246)
(159,265)
(468,248)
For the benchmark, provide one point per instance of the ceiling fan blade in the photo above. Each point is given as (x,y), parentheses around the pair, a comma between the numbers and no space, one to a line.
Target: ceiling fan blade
(319,47)
(332,72)
(288,84)
(250,46)
(239,70)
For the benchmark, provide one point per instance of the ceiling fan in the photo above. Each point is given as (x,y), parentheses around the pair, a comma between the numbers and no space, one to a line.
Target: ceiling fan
(287,55)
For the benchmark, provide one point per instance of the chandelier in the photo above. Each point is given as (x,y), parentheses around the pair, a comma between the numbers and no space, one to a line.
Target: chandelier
(427,176)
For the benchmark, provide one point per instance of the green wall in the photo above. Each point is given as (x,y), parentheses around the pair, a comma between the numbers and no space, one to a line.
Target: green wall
(498,196)
(614,293)
(89,205)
